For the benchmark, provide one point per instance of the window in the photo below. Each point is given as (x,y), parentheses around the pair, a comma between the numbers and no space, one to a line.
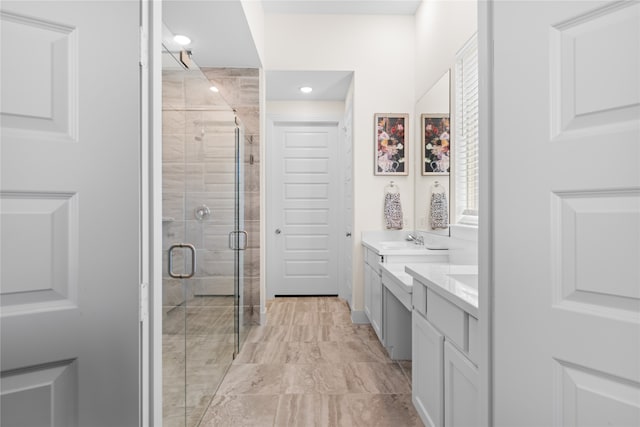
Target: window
(466,131)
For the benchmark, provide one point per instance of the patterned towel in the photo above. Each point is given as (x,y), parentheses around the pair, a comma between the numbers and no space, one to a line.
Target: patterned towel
(439,215)
(393,211)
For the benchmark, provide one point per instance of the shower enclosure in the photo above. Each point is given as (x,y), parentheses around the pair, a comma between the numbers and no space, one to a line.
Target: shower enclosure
(203,241)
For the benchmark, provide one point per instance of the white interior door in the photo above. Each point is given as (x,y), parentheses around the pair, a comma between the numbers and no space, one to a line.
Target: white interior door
(303,204)
(70,159)
(566,213)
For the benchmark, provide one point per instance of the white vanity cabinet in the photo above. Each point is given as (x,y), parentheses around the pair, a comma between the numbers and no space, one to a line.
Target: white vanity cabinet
(445,378)
(373,290)
(461,379)
(376,304)
(427,381)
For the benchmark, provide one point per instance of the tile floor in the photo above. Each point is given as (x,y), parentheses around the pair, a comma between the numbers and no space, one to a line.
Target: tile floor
(310,366)
(198,344)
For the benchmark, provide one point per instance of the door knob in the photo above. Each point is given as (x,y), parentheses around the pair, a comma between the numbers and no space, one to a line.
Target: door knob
(348,234)
(278,231)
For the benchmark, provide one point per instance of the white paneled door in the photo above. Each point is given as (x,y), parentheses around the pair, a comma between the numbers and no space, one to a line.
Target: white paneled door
(303,209)
(566,213)
(70,216)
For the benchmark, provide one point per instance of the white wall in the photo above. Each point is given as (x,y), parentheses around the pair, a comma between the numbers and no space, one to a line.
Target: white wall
(305,108)
(442,28)
(380,50)
(254,13)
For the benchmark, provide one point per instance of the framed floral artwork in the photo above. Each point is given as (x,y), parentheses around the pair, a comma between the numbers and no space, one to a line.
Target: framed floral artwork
(391,133)
(436,144)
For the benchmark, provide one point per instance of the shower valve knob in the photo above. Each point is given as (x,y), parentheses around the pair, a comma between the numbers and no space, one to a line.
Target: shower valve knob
(202,212)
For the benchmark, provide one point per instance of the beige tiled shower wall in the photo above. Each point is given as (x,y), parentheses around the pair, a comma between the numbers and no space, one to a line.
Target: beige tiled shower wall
(198,168)
(239,87)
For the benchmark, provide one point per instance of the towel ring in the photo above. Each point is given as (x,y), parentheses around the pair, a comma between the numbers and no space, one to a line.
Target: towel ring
(391,188)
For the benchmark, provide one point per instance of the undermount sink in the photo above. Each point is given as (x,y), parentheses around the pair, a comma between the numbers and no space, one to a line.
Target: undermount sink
(469,279)
(399,244)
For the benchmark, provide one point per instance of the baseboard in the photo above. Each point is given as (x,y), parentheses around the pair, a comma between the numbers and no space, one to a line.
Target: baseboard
(263,316)
(359,317)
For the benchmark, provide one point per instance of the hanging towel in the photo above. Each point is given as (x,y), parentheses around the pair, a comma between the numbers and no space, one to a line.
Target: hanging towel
(439,214)
(393,211)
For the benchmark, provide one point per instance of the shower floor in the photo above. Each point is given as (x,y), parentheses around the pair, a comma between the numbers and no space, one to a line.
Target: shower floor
(197,345)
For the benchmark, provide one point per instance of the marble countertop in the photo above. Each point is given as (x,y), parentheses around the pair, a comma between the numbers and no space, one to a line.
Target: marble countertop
(454,282)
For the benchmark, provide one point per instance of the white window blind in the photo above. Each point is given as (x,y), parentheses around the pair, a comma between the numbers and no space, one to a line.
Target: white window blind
(466,128)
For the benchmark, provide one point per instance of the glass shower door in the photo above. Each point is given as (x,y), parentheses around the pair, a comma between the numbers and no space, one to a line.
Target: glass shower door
(203,213)
(239,240)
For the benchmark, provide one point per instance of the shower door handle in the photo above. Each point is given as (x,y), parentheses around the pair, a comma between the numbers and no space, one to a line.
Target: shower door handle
(192,249)
(240,247)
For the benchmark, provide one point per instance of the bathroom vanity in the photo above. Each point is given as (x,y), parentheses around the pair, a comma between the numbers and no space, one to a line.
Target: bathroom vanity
(425,309)
(388,288)
(445,340)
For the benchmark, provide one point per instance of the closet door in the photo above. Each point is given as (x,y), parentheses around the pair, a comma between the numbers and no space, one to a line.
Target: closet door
(303,221)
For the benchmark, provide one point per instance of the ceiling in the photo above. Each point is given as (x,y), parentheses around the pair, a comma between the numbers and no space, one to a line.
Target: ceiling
(359,7)
(220,37)
(327,85)
(218,30)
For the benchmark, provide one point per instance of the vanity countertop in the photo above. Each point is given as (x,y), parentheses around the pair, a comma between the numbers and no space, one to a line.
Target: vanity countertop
(404,279)
(454,282)
(399,247)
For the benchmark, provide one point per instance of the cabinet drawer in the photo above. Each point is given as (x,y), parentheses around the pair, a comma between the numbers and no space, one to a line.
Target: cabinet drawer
(447,317)
(474,340)
(391,283)
(419,298)
(373,259)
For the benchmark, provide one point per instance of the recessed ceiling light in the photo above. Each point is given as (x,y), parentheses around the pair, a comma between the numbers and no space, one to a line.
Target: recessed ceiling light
(214,89)
(181,39)
(306,89)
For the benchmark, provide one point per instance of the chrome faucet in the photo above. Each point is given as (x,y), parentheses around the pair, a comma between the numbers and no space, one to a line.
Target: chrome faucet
(417,239)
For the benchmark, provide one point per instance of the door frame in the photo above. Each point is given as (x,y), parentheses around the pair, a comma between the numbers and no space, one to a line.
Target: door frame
(272,119)
(151,214)
(485,222)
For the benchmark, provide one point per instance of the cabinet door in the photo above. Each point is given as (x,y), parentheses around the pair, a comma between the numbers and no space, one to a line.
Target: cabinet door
(376,304)
(427,371)
(367,291)
(461,378)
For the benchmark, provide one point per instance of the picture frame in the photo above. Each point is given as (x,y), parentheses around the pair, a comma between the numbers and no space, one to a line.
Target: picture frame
(436,144)
(391,144)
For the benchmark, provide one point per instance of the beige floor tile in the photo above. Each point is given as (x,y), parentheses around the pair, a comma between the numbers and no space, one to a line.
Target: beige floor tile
(305,353)
(377,410)
(241,411)
(309,366)
(269,333)
(353,351)
(376,378)
(252,379)
(308,410)
(263,352)
(406,366)
(319,378)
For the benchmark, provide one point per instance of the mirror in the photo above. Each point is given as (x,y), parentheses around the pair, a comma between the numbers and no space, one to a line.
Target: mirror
(432,198)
